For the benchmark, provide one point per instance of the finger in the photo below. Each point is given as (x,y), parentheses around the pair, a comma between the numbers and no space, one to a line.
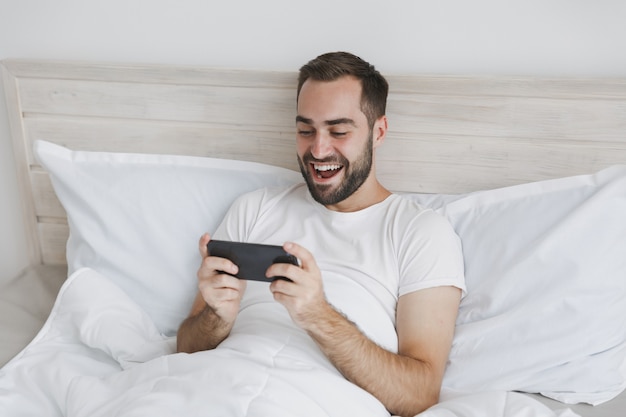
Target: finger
(288,271)
(307,261)
(213,265)
(225,281)
(204,240)
(220,288)
(281,286)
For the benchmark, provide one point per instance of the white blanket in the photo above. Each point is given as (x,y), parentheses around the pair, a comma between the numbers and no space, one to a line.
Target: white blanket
(100,355)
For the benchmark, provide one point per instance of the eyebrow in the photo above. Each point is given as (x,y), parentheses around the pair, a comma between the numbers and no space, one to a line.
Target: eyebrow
(340,121)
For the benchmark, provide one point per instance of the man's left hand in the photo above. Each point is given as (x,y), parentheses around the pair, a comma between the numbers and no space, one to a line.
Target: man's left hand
(303,296)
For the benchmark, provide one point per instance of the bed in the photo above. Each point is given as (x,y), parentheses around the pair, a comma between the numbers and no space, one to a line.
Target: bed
(123,166)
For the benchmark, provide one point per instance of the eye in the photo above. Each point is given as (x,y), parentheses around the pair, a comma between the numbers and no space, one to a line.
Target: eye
(339,134)
(305,133)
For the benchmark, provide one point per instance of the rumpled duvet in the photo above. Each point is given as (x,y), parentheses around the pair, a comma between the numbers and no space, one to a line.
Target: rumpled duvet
(99,354)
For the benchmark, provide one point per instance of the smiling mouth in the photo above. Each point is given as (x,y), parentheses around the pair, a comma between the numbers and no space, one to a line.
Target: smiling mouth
(325,171)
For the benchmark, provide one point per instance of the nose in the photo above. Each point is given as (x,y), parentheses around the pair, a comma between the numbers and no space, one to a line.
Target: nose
(321,147)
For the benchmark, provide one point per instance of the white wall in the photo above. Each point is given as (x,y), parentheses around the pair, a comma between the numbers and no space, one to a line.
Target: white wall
(526,37)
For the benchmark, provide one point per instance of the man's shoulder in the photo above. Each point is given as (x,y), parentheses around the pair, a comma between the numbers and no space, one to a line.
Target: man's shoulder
(416,216)
(410,208)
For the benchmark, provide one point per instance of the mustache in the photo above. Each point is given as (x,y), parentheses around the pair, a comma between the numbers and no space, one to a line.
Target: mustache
(308,158)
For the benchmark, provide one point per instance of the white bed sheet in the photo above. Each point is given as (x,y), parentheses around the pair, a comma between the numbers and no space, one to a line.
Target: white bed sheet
(26,301)
(614,408)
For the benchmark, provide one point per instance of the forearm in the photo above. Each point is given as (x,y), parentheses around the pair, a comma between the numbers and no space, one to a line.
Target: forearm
(203,331)
(405,386)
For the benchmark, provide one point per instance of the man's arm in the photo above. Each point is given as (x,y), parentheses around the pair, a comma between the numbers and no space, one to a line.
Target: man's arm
(406,383)
(216,305)
(202,330)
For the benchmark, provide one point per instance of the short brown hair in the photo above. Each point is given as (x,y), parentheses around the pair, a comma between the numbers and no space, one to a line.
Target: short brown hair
(333,65)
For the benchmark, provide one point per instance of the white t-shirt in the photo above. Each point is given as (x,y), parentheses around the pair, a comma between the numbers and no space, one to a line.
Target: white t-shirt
(368,258)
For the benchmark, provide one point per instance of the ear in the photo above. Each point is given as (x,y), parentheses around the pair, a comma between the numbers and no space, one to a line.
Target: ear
(380,131)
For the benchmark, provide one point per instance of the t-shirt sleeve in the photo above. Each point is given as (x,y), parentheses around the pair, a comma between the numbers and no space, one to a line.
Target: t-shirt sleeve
(431,255)
(240,217)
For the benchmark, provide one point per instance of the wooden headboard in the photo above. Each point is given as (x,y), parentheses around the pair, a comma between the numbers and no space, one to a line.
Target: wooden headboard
(447,134)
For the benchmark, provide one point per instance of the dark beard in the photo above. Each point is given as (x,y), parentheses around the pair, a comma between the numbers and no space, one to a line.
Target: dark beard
(353,179)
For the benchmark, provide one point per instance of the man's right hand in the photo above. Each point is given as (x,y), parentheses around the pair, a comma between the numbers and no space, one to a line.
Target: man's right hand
(219,290)
(216,305)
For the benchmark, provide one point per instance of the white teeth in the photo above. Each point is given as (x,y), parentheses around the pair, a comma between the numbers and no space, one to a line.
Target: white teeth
(326,167)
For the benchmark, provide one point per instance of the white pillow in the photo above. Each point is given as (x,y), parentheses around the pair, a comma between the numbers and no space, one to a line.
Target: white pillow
(546,278)
(137,218)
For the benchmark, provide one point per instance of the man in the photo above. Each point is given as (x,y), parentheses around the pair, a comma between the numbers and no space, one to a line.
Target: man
(380,279)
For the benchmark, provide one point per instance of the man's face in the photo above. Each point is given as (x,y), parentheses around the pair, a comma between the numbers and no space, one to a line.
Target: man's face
(334,141)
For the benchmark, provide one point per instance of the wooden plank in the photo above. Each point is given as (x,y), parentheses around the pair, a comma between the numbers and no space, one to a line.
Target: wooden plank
(198,139)
(149,73)
(12,96)
(53,242)
(218,105)
(451,165)
(568,119)
(508,86)
(46,202)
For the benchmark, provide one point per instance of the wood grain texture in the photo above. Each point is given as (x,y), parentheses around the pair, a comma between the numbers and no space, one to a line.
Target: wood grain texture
(20,154)
(448,134)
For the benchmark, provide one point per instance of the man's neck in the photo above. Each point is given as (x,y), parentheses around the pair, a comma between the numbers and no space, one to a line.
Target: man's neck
(367,195)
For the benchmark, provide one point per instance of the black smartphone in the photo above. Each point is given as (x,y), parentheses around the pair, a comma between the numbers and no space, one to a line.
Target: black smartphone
(253,259)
